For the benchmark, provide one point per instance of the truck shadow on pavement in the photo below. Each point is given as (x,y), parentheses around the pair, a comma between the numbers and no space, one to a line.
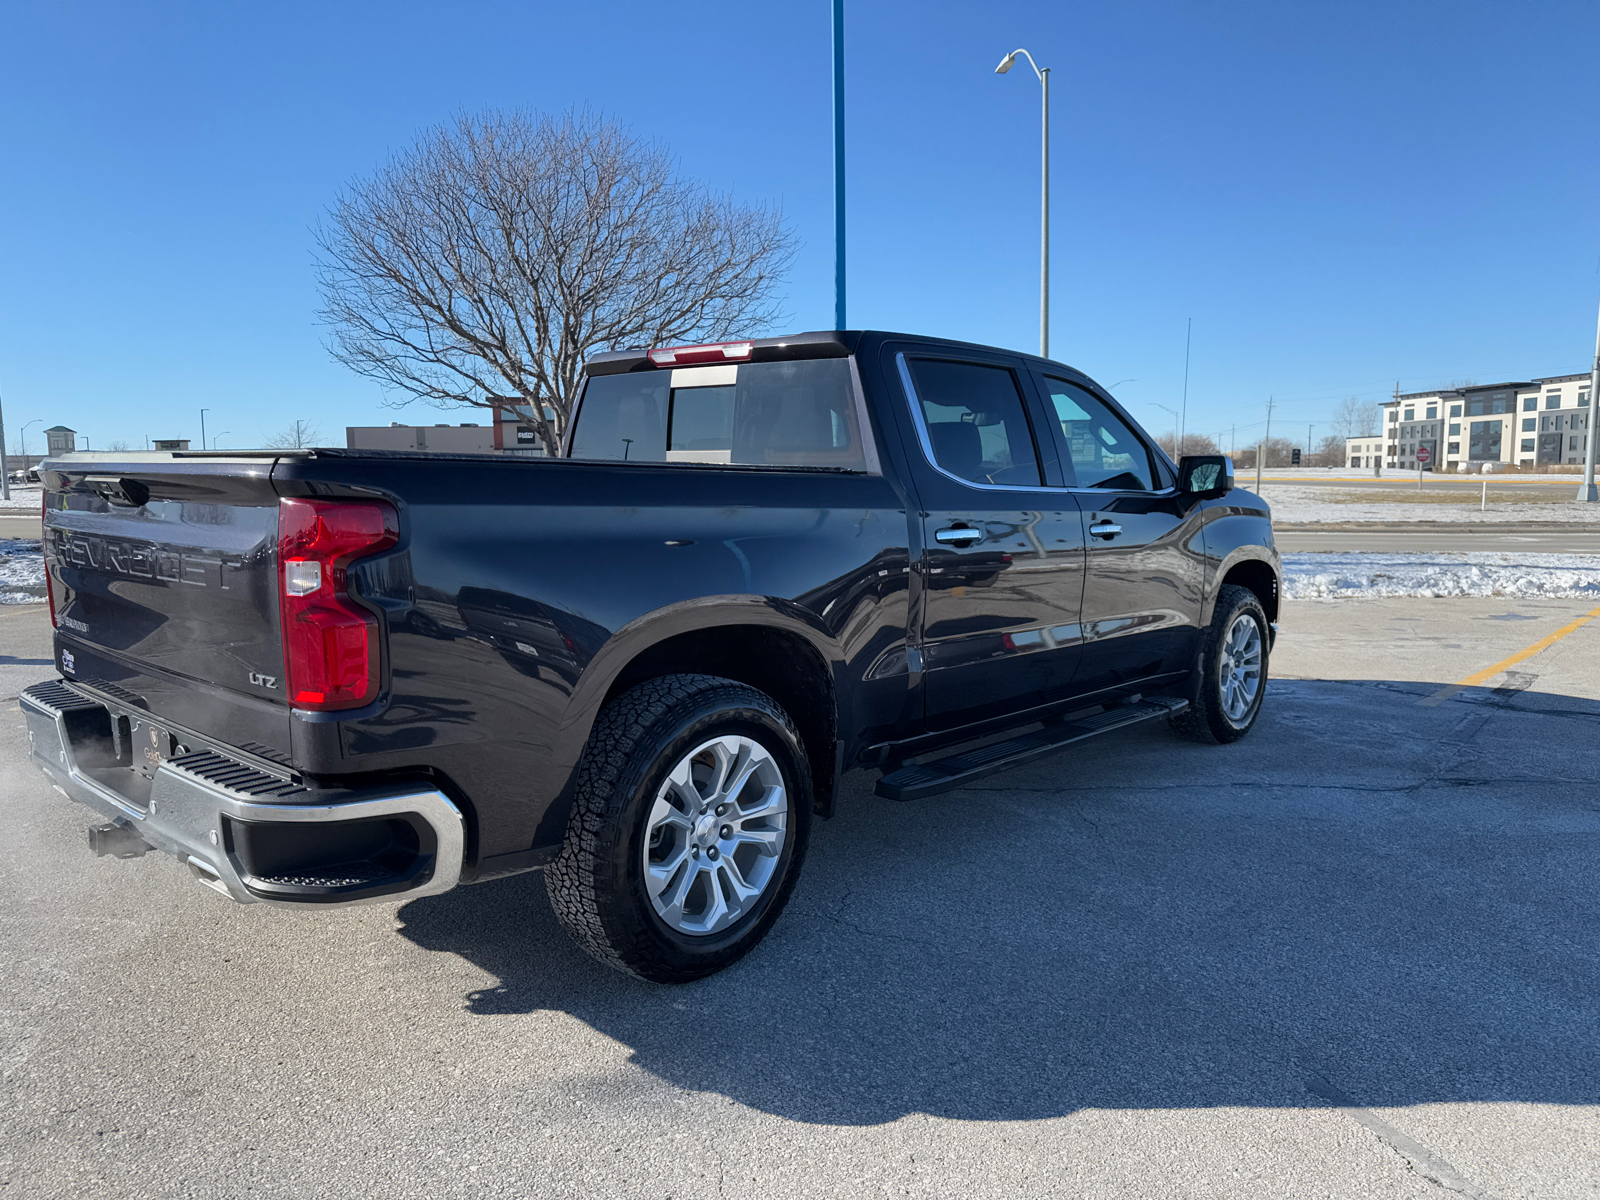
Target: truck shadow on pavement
(1394,899)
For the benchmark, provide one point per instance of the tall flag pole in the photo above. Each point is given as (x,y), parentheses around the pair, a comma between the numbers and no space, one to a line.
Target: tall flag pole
(838,164)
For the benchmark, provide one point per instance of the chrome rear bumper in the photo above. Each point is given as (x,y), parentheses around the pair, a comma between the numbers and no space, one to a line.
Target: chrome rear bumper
(245,832)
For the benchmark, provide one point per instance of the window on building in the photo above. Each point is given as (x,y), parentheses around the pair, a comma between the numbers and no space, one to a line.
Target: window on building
(1485,408)
(1455,428)
(1453,448)
(1433,411)
(1530,403)
(1484,440)
(1583,399)
(1411,414)
(1572,443)
(1455,410)
(1394,415)
(1527,445)
(1529,424)
(1553,400)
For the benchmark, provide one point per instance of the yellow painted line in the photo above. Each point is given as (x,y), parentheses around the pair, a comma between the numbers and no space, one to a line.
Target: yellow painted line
(1488,673)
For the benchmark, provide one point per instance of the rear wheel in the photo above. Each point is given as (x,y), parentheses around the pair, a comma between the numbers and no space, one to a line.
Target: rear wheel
(688,828)
(1233,670)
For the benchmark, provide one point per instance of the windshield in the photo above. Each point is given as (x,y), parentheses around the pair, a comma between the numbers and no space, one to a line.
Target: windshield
(792,414)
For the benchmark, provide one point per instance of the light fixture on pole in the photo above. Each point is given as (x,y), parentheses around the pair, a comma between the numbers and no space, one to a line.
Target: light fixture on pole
(1175,435)
(217,437)
(1044,217)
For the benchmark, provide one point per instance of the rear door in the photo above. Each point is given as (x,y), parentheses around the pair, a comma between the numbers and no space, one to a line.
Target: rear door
(1002,543)
(165,590)
(1145,562)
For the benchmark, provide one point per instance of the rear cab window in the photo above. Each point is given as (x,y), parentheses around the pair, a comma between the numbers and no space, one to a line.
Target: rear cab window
(785,414)
(974,420)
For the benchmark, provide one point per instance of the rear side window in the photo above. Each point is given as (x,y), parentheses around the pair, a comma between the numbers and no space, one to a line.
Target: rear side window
(1105,451)
(783,414)
(977,429)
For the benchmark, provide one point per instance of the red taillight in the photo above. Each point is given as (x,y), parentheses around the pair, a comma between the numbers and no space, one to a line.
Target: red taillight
(49,584)
(681,356)
(330,643)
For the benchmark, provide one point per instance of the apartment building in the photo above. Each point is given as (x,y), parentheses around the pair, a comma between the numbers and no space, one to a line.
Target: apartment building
(1529,423)
(1363,451)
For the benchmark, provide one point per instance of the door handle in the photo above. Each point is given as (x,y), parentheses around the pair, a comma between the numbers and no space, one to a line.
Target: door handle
(1105,529)
(958,537)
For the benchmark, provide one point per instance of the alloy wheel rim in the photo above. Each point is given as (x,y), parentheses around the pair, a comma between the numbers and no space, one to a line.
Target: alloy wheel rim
(716,830)
(1239,671)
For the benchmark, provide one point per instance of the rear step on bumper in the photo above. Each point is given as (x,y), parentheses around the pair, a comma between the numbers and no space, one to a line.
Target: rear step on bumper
(246,833)
(930,778)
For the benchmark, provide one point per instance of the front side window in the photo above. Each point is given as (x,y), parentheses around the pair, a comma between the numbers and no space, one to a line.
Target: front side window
(1527,424)
(977,428)
(1553,400)
(1455,410)
(1411,414)
(1455,448)
(1530,403)
(1527,446)
(1433,411)
(1455,428)
(790,414)
(1105,453)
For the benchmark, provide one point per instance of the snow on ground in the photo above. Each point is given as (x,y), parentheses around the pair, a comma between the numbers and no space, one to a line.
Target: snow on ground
(21,572)
(22,497)
(1508,504)
(1328,576)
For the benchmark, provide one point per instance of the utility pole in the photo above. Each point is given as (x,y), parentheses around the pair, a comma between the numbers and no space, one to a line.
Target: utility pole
(1261,454)
(5,476)
(1307,458)
(1233,441)
(838,165)
(1587,493)
(1188,335)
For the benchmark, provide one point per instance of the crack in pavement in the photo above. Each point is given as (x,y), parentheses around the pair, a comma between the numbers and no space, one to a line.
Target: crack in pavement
(1418,1158)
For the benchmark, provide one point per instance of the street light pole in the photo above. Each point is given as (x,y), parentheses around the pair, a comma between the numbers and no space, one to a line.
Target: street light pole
(1044,193)
(838,164)
(1587,493)
(203,413)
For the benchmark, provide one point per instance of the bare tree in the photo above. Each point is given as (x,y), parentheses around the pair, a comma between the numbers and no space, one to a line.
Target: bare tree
(119,444)
(482,266)
(1331,452)
(1356,417)
(1193,443)
(297,437)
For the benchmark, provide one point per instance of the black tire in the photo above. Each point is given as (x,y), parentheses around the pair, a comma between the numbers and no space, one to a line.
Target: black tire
(597,886)
(1206,719)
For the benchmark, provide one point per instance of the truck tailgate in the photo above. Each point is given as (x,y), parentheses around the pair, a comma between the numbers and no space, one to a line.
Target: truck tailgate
(164,580)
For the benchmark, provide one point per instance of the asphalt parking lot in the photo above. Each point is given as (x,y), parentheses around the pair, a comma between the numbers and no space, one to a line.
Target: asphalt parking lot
(1354,955)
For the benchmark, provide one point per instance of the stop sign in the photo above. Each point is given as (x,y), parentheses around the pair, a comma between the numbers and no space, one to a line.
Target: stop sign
(1423,454)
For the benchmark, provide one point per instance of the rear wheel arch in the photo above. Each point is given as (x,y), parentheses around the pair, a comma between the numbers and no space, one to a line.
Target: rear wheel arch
(767,649)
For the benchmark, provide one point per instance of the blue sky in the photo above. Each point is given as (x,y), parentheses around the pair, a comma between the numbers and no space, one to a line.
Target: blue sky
(1339,195)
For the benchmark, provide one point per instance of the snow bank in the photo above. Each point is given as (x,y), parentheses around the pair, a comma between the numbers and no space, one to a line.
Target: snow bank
(1318,576)
(21,572)
(22,497)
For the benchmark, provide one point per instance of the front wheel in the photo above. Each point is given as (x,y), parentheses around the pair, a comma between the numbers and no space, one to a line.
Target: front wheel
(1232,668)
(688,828)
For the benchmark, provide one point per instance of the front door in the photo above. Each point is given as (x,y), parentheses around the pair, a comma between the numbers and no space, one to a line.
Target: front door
(1002,559)
(1145,569)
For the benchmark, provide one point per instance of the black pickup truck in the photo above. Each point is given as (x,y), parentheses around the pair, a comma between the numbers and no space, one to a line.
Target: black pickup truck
(337,676)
